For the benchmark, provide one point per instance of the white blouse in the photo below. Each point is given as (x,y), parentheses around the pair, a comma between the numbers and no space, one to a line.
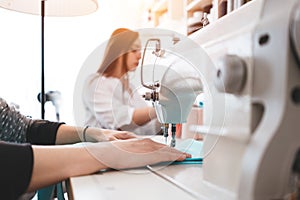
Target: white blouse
(108,105)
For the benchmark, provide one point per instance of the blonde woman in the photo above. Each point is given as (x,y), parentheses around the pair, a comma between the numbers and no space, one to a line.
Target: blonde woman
(110,100)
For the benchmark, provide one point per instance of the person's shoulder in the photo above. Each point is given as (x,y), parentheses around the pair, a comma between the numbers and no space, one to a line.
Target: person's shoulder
(92,76)
(99,77)
(109,80)
(3,103)
(105,83)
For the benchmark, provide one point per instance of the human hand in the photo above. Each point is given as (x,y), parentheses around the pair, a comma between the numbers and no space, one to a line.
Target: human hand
(101,135)
(134,153)
(118,135)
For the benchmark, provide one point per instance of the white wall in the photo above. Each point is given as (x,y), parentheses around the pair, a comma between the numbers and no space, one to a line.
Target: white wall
(68,42)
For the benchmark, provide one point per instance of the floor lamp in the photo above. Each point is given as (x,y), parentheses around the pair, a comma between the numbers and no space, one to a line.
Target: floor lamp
(57,8)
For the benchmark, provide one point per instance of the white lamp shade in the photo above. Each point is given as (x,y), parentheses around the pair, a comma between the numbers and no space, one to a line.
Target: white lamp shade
(57,8)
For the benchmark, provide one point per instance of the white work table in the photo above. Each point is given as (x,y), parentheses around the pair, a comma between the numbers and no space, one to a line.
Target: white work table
(170,182)
(178,181)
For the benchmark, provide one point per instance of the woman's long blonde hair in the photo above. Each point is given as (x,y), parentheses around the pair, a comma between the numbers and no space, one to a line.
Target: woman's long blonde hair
(118,46)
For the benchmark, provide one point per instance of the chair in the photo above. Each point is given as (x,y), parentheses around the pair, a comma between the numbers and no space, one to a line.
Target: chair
(49,192)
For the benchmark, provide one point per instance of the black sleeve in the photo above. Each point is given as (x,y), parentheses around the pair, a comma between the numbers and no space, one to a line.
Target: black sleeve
(16,169)
(42,132)
(17,128)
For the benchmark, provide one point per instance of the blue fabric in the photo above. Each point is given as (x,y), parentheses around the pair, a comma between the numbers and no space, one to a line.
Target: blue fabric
(193,147)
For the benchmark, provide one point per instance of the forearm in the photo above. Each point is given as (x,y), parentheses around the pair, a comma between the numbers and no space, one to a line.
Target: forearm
(69,134)
(142,116)
(57,163)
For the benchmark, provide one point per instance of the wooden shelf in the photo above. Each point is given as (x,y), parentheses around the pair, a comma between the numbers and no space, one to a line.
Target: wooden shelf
(198,5)
(161,6)
(158,10)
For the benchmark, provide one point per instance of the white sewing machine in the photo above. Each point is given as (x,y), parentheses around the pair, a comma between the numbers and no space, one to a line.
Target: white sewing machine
(251,147)
(251,83)
(252,96)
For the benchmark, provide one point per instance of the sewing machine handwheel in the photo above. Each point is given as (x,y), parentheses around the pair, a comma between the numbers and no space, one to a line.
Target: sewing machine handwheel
(230,75)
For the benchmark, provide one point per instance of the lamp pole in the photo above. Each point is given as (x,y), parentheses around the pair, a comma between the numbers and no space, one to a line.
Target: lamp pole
(54,8)
(42,61)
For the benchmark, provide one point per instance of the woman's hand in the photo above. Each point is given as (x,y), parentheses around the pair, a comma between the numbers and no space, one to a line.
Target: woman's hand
(101,135)
(92,157)
(134,153)
(70,134)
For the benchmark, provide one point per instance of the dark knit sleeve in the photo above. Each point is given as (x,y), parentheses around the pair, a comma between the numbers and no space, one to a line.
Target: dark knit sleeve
(16,169)
(42,132)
